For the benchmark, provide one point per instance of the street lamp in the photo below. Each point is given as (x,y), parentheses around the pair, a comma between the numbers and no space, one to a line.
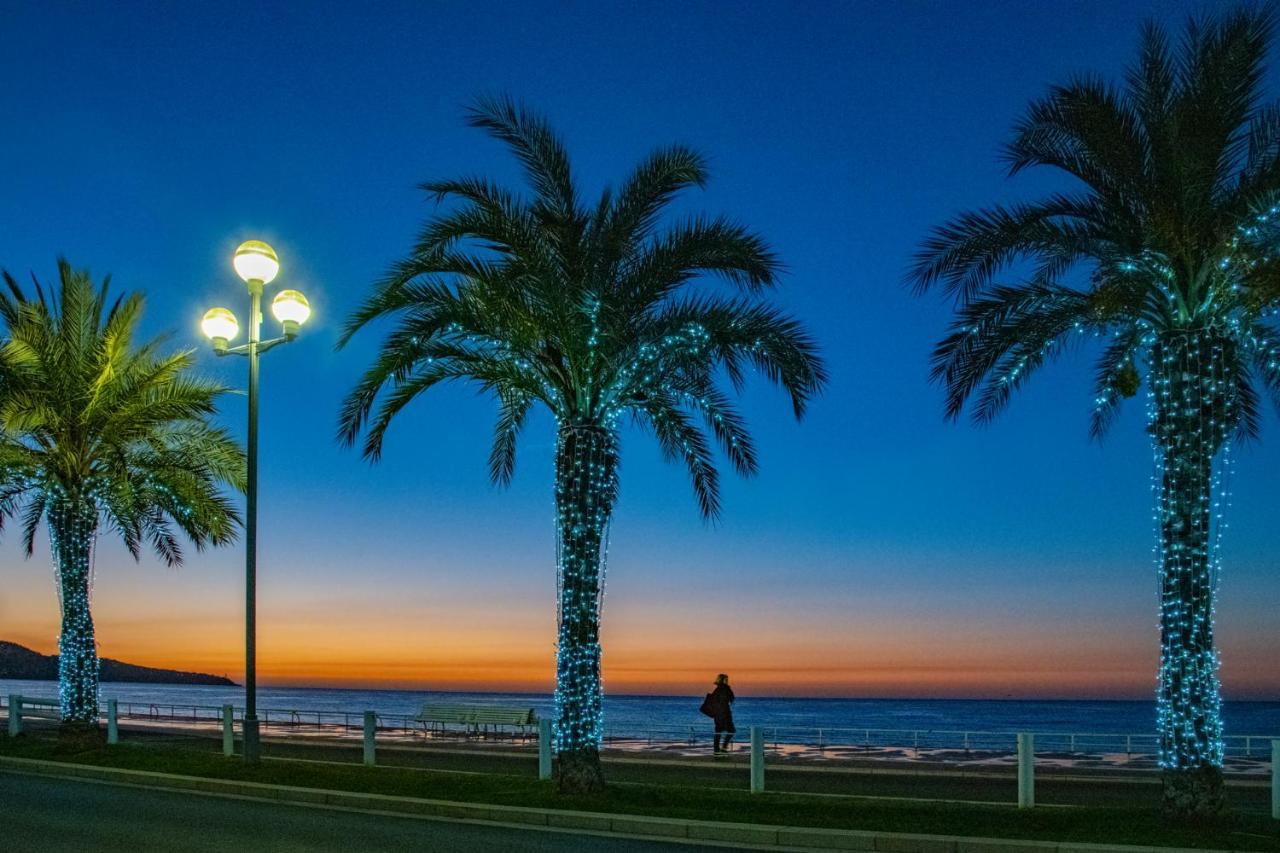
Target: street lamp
(257,264)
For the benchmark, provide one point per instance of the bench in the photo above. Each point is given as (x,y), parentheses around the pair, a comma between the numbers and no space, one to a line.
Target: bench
(45,709)
(477,721)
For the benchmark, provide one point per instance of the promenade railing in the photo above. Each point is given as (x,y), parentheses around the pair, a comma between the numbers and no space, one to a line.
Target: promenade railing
(932,746)
(917,764)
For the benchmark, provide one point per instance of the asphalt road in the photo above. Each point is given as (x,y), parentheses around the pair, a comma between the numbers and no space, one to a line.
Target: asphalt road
(41,815)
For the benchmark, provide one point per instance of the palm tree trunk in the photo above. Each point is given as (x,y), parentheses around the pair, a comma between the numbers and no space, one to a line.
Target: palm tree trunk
(1194,396)
(72,526)
(586,467)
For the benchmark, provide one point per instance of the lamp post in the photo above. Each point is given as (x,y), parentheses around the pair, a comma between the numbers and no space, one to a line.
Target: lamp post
(257,264)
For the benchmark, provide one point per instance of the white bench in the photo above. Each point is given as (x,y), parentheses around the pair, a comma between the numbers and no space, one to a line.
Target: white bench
(477,721)
(45,709)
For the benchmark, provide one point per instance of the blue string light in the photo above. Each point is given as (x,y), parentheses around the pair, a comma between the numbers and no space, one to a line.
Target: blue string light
(1191,419)
(586,472)
(73,525)
(586,491)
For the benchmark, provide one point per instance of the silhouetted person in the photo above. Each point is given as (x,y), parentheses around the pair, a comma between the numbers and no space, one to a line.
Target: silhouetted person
(719,704)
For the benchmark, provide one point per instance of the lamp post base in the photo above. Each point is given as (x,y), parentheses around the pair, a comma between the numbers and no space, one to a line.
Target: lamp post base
(252,750)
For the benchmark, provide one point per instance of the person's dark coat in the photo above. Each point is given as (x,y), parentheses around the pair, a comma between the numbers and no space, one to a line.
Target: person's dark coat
(722,704)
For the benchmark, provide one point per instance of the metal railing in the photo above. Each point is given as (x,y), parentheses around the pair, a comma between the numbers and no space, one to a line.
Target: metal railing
(318,722)
(932,746)
(1030,750)
(936,745)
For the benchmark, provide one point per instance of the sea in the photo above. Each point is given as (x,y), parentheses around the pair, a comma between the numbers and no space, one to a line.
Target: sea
(634,716)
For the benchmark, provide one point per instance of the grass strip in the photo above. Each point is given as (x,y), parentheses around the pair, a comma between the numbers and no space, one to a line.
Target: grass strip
(1137,824)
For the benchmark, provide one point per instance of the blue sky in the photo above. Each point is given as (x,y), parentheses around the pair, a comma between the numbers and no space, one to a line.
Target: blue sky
(880,551)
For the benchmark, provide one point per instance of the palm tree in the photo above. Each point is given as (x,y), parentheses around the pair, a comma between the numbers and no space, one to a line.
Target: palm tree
(99,431)
(1163,248)
(590,309)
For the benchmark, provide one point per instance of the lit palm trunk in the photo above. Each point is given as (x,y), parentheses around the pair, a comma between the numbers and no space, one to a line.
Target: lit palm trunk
(586,459)
(1193,399)
(71,532)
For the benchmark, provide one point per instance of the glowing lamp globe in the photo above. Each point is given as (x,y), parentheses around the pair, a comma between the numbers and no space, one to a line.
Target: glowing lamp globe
(256,261)
(219,325)
(291,309)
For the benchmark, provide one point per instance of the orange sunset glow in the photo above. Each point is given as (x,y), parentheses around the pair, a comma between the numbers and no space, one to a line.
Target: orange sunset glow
(365,644)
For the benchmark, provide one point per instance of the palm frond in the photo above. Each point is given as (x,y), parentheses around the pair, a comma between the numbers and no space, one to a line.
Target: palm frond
(1000,340)
(1171,215)
(118,429)
(1087,130)
(535,144)
(512,411)
(682,441)
(587,310)
(1116,380)
(965,254)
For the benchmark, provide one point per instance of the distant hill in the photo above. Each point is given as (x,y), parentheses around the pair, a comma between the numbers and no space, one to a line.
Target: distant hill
(19,662)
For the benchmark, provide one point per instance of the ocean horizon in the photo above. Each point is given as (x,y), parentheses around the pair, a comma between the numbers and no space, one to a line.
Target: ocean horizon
(635,714)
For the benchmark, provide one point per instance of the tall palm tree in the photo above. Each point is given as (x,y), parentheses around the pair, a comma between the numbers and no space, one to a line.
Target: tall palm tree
(102,432)
(1164,247)
(597,312)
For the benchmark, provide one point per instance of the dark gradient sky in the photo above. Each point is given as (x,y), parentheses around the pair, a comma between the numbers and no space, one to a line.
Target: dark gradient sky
(881,551)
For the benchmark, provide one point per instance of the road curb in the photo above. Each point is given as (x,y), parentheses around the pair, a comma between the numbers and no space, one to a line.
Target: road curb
(635,826)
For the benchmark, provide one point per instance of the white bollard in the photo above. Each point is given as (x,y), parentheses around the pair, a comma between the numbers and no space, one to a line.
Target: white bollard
(370,733)
(757,760)
(15,715)
(544,749)
(1026,770)
(1275,780)
(113,727)
(228,730)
